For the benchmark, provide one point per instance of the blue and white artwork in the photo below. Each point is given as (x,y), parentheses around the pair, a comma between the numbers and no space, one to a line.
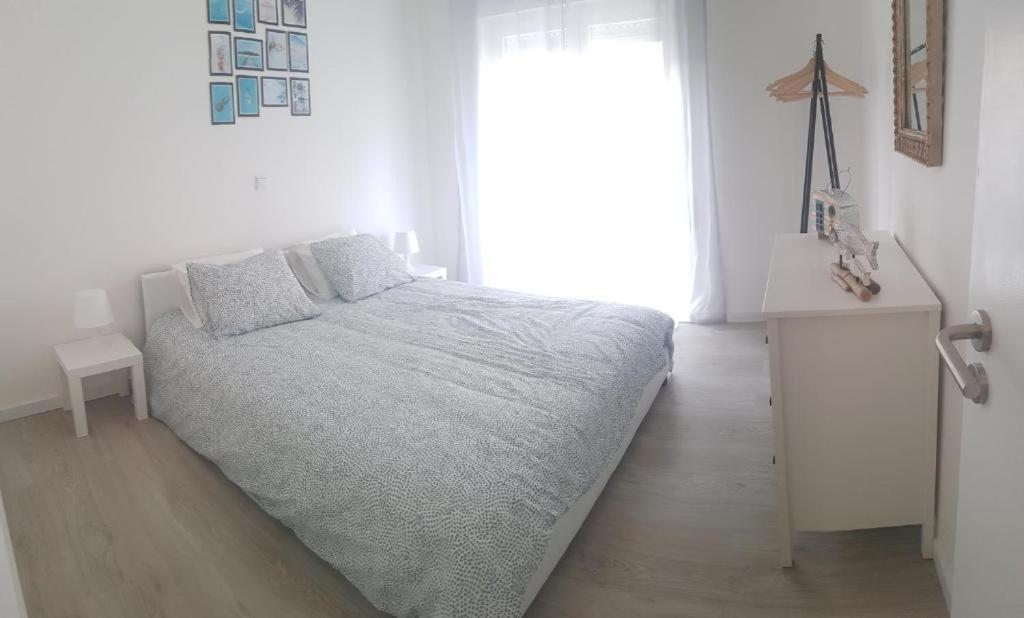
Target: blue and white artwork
(248,54)
(275,91)
(248,96)
(220,53)
(293,13)
(218,11)
(300,97)
(232,54)
(277,50)
(267,11)
(245,16)
(222,103)
(298,52)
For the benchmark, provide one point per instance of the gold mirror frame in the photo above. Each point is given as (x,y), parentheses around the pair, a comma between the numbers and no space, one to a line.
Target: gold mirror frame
(922,146)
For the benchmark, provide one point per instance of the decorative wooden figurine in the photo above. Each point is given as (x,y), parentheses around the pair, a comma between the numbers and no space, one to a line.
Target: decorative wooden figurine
(836,217)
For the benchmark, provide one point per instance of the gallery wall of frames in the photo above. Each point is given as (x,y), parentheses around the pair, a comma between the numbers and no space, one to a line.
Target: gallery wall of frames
(268,72)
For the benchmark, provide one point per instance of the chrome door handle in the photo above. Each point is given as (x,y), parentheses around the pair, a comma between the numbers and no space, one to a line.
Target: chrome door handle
(971,379)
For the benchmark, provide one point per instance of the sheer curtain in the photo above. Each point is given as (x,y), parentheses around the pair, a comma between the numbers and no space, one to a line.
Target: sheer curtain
(581,170)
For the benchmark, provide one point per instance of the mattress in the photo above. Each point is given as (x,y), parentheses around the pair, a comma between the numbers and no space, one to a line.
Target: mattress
(426,441)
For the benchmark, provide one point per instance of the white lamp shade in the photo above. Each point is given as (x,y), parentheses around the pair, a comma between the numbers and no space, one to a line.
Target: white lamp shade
(406,243)
(92,309)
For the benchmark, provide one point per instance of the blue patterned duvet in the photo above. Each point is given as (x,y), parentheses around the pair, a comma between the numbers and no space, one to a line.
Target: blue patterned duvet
(424,441)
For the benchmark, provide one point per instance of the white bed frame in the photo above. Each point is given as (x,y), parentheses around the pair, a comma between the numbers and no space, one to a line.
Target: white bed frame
(572,520)
(161,295)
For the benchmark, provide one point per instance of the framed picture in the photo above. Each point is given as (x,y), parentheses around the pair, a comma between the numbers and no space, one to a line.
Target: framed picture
(298,52)
(248,54)
(300,97)
(245,16)
(293,13)
(277,50)
(248,91)
(222,103)
(275,91)
(218,11)
(220,53)
(266,12)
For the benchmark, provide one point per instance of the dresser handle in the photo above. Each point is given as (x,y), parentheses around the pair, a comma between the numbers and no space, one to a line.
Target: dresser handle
(972,379)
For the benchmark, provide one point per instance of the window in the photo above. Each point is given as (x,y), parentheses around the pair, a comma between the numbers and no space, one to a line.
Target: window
(582,155)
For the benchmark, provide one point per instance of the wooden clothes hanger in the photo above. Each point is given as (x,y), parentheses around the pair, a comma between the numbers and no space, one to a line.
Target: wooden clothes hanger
(795,86)
(799,79)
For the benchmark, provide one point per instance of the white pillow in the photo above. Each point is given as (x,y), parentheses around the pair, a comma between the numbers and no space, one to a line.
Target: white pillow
(188,306)
(307,270)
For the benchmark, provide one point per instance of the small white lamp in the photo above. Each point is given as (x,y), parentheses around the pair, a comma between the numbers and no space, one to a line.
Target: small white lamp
(92,311)
(407,245)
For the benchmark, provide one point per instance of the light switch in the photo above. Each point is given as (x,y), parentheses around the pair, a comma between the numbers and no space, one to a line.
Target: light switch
(261,183)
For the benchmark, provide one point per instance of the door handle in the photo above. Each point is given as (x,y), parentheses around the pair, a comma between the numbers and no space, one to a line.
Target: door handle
(972,379)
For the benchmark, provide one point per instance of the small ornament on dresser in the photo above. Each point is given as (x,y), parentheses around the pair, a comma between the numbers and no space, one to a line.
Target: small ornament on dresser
(837,219)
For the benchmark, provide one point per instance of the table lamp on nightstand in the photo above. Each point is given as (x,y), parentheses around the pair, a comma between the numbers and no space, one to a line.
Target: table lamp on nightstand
(92,311)
(406,245)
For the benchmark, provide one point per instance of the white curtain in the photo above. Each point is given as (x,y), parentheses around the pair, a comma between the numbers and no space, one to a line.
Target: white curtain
(584,151)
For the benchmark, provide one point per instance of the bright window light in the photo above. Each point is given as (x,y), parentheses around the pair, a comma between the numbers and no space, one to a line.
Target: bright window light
(581,166)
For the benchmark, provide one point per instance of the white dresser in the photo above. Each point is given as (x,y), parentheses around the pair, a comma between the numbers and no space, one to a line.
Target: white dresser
(854,393)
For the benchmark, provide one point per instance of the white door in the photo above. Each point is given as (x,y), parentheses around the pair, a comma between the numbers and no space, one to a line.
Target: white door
(989,561)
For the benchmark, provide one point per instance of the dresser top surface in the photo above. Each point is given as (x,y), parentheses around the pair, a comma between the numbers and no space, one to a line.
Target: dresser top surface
(799,284)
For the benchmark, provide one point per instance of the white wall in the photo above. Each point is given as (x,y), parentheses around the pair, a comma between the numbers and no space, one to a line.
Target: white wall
(110,167)
(759,143)
(931,210)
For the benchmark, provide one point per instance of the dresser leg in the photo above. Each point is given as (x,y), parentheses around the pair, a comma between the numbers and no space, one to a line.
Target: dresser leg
(78,407)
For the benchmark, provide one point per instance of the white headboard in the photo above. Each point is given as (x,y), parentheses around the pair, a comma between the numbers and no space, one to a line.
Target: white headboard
(160,295)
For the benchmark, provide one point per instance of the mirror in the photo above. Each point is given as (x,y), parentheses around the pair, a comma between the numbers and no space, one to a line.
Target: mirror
(918,61)
(916,75)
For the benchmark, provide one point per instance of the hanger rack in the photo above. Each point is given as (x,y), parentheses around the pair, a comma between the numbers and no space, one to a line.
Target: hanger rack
(817,75)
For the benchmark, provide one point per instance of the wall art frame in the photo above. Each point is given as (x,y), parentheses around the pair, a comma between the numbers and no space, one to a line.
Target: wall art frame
(222,103)
(221,53)
(249,54)
(301,101)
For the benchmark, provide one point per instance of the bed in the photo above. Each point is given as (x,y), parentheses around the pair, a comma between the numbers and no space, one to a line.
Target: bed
(439,444)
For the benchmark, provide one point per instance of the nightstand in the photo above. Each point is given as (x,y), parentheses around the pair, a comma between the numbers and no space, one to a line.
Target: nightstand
(427,271)
(90,357)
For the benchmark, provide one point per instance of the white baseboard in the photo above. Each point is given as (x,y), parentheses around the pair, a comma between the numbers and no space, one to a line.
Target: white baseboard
(745,317)
(944,568)
(32,407)
(101,386)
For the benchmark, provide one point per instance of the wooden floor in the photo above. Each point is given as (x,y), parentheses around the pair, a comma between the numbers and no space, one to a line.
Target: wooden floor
(130,522)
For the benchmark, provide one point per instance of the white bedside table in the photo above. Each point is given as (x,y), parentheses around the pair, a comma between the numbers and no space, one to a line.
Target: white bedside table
(90,357)
(428,271)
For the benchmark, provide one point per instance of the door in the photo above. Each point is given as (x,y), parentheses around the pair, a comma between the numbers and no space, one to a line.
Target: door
(989,561)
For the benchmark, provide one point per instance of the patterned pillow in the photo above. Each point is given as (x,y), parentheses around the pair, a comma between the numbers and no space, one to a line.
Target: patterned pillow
(360,266)
(256,293)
